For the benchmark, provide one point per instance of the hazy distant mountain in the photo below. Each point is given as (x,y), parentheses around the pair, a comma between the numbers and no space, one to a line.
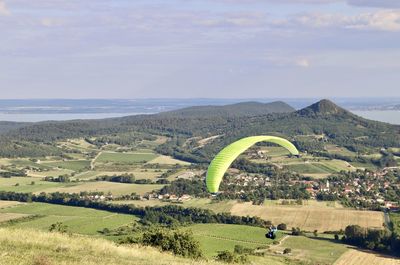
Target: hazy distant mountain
(6,126)
(234,110)
(323,107)
(338,125)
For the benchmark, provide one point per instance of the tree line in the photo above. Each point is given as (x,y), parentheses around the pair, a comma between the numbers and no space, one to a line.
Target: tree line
(169,215)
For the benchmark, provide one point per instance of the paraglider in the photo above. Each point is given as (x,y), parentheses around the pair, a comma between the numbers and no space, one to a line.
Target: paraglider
(222,161)
(271,234)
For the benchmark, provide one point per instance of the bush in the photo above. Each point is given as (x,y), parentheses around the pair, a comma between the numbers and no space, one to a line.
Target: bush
(229,257)
(296,231)
(336,237)
(226,256)
(287,251)
(239,249)
(178,242)
(58,227)
(282,226)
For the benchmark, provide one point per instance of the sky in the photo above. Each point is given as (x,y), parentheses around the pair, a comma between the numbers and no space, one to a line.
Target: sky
(199,48)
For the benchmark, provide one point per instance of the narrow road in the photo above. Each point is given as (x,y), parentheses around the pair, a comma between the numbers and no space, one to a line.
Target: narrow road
(94,159)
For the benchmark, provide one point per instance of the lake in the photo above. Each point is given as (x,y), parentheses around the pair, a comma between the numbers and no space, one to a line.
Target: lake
(70,109)
(390,116)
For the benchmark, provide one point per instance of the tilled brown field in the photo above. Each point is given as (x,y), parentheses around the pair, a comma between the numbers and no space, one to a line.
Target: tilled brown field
(311,218)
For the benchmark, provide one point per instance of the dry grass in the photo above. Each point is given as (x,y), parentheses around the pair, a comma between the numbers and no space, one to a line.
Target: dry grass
(5,204)
(167,160)
(311,217)
(4,217)
(103,186)
(358,257)
(23,247)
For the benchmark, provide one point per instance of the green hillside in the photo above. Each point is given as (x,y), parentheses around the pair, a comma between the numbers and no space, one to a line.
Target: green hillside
(331,123)
(27,247)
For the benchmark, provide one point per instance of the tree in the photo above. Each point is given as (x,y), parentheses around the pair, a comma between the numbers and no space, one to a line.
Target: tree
(296,231)
(181,243)
(282,226)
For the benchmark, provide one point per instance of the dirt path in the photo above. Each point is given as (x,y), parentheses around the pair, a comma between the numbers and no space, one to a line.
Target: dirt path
(94,159)
(231,239)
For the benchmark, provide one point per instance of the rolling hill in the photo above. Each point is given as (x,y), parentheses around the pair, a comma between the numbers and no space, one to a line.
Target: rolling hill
(337,125)
(244,109)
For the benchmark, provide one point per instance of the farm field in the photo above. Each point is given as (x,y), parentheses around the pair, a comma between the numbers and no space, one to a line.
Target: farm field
(310,218)
(218,237)
(125,157)
(50,173)
(357,257)
(24,184)
(317,250)
(74,165)
(79,220)
(167,160)
(104,186)
(137,172)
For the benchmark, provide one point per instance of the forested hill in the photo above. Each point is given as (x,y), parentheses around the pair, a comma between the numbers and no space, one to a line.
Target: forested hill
(323,118)
(243,109)
(6,126)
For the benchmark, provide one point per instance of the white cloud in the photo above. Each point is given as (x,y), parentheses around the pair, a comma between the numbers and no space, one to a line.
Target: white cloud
(387,20)
(381,20)
(276,58)
(3,9)
(303,62)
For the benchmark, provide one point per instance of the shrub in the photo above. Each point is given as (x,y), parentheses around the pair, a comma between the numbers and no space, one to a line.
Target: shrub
(229,257)
(181,243)
(58,227)
(282,226)
(287,251)
(296,231)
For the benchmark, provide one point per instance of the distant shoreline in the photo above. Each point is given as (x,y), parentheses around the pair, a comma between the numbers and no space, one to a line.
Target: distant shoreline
(390,116)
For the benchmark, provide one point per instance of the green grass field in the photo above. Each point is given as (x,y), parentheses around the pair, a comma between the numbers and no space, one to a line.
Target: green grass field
(218,237)
(74,165)
(25,184)
(50,173)
(79,220)
(312,168)
(334,149)
(319,250)
(395,219)
(104,186)
(125,157)
(28,246)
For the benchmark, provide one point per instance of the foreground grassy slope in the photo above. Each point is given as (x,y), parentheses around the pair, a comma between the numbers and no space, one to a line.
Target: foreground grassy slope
(25,247)
(79,220)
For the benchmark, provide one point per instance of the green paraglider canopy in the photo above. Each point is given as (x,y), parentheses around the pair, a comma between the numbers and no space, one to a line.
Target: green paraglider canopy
(224,159)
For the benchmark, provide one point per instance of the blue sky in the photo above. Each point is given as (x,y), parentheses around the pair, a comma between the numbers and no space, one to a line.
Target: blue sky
(199,48)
